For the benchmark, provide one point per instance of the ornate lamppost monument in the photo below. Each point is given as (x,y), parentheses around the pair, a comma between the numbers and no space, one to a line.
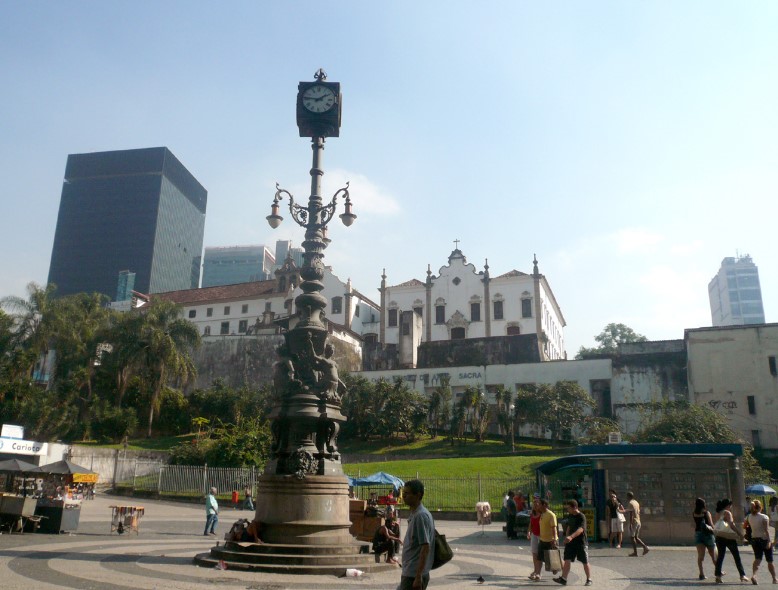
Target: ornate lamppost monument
(302,497)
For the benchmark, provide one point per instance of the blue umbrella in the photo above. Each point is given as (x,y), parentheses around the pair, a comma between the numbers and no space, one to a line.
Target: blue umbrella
(759,489)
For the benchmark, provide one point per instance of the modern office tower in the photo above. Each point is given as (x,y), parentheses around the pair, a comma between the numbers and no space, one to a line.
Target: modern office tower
(138,210)
(735,294)
(125,286)
(283,249)
(232,265)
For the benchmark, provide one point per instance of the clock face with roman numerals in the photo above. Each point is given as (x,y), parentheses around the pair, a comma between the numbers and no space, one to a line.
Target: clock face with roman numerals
(318,98)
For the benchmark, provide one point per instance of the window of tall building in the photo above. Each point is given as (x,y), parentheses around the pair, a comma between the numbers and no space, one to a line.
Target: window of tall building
(207,331)
(268,305)
(772,365)
(226,310)
(475,312)
(192,313)
(225,328)
(337,305)
(406,328)
(514,330)
(392,318)
(756,439)
(209,312)
(526,308)
(498,310)
(440,314)
(243,325)
(356,310)
(751,405)
(244,308)
(419,310)
(457,333)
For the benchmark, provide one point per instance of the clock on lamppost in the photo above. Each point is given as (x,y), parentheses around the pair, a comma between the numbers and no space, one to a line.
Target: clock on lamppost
(318,107)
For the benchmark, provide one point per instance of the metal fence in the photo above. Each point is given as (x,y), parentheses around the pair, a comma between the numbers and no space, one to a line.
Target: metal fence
(193,481)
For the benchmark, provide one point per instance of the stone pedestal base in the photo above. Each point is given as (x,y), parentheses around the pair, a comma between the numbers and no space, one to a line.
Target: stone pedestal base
(310,511)
(305,529)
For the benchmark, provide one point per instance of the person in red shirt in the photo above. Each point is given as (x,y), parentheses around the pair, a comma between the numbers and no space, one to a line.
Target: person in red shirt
(533,534)
(521,503)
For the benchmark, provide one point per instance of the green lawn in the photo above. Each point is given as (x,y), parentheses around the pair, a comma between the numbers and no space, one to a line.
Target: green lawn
(442,447)
(495,467)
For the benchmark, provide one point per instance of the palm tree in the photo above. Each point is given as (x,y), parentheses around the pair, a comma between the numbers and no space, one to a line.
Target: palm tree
(35,320)
(166,341)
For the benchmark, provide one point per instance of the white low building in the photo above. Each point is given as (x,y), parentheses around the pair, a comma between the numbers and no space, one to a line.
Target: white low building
(254,307)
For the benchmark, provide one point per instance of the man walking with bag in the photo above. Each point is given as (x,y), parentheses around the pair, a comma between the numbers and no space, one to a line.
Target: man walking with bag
(576,544)
(548,533)
(419,543)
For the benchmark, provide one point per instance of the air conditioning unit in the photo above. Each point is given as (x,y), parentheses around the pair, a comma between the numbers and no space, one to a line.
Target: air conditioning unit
(614,438)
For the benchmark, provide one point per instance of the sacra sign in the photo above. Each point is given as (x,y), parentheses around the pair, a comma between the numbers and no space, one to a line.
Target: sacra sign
(470,375)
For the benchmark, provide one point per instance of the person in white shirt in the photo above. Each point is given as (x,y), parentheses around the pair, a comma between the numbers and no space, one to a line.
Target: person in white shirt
(760,540)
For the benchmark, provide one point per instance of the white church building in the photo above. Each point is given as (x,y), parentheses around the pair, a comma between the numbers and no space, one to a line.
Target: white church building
(462,303)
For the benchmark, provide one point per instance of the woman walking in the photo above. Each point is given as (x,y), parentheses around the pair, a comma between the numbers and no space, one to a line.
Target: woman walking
(760,540)
(774,516)
(727,537)
(703,534)
(615,520)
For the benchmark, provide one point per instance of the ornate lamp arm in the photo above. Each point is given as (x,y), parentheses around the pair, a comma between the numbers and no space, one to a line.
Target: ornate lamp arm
(327,211)
(299,213)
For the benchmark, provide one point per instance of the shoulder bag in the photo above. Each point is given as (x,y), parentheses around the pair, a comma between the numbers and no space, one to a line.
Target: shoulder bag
(723,530)
(443,553)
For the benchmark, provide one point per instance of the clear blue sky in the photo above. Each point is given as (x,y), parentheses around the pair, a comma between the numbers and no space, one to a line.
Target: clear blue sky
(630,145)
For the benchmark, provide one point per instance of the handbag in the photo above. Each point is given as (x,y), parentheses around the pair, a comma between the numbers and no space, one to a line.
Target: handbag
(723,530)
(621,517)
(443,553)
(553,560)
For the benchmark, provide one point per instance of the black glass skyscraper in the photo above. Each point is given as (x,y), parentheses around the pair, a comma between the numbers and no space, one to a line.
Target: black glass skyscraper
(130,210)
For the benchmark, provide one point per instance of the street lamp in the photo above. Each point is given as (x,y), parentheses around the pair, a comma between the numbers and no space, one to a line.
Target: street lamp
(512,417)
(304,489)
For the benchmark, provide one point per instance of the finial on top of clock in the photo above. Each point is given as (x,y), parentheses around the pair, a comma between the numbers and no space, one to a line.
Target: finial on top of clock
(320,75)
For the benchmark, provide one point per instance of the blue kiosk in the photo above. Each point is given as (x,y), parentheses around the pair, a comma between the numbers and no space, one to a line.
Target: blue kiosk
(665,478)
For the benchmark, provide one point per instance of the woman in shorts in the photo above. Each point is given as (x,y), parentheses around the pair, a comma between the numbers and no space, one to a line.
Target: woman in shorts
(760,540)
(704,539)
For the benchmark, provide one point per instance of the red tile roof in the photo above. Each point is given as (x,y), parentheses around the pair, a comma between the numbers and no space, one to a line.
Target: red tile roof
(256,289)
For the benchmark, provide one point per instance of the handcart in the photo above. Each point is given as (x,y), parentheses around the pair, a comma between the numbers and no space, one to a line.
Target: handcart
(126,518)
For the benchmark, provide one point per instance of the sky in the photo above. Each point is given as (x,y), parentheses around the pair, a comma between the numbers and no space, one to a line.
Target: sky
(631,146)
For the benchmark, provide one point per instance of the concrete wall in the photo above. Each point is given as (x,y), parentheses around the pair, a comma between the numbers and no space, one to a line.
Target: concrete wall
(649,374)
(729,365)
(106,462)
(488,377)
(248,359)
(502,350)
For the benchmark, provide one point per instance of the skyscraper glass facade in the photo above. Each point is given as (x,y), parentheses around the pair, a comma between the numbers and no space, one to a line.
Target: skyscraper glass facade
(137,210)
(735,294)
(232,265)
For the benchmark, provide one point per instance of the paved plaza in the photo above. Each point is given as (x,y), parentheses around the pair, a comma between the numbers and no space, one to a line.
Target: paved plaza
(171,534)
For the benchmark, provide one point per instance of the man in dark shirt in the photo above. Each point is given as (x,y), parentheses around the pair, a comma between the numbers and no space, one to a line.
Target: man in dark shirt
(576,544)
(510,524)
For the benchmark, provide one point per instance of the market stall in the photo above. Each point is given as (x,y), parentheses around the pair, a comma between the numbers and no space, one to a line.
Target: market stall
(367,516)
(62,491)
(17,504)
(126,518)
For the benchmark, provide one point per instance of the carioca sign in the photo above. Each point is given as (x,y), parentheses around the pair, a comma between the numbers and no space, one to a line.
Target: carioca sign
(15,446)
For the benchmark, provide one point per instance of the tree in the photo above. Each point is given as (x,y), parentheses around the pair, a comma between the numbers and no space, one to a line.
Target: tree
(683,422)
(609,340)
(35,319)
(557,408)
(167,341)
(439,412)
